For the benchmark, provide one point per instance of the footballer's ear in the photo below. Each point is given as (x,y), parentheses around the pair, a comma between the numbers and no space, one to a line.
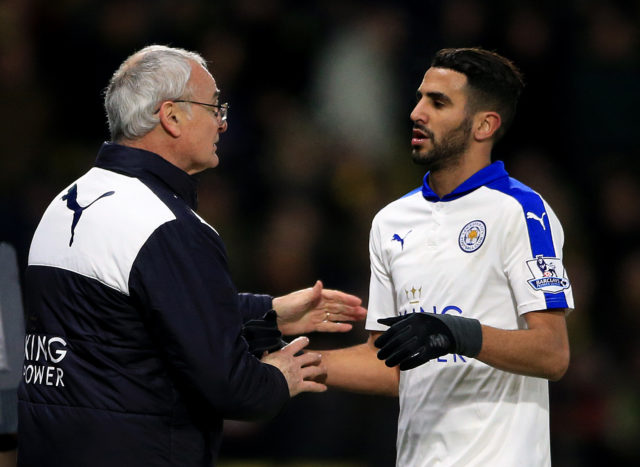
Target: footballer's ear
(486,125)
(170,117)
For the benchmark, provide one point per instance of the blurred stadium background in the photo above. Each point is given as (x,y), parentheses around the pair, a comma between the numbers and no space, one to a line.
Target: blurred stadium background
(318,141)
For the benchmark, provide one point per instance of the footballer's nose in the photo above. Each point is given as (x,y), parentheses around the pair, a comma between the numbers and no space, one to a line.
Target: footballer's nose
(419,115)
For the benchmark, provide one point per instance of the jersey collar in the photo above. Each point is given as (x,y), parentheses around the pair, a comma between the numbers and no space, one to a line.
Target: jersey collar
(148,167)
(482,177)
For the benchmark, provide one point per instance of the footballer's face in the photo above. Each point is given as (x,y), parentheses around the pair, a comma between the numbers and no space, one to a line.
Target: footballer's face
(441,122)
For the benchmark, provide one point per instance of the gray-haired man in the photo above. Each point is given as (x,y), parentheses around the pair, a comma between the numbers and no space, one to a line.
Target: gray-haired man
(134,351)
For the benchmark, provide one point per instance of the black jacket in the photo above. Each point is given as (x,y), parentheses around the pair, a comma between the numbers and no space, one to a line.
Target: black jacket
(134,354)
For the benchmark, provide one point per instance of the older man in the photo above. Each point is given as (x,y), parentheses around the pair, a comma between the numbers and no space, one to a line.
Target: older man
(134,352)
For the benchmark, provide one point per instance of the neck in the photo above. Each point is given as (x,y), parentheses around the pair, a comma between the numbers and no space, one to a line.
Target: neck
(443,181)
(156,143)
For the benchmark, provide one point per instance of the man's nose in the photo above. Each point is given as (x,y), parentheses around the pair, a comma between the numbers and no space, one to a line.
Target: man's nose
(222,127)
(418,115)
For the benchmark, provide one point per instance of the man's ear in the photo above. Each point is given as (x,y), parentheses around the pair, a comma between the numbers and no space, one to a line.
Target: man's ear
(487,123)
(169,118)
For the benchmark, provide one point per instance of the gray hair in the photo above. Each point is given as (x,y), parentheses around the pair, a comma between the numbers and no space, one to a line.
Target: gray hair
(154,74)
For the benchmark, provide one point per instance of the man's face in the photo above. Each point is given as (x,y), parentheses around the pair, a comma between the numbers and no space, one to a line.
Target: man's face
(441,122)
(203,127)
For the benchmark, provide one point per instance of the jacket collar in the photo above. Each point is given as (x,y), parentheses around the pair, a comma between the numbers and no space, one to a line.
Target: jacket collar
(482,177)
(148,167)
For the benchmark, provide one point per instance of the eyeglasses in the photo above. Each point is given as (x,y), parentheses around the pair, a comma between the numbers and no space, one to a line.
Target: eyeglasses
(221,112)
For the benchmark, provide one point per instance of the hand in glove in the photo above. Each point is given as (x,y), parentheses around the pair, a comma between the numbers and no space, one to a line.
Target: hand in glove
(416,338)
(263,334)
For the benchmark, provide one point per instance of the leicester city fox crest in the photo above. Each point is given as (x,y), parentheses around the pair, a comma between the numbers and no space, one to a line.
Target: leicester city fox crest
(472,236)
(548,274)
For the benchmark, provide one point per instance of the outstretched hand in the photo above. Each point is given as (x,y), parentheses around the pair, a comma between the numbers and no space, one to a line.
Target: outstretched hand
(303,371)
(317,309)
(416,338)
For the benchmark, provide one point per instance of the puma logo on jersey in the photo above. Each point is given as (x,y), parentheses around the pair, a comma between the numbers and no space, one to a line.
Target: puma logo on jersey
(400,239)
(540,219)
(72,203)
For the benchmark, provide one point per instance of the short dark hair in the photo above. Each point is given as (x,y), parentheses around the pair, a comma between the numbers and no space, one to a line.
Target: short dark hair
(494,81)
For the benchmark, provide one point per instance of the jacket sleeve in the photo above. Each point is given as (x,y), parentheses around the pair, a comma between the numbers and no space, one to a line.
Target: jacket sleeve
(181,282)
(253,306)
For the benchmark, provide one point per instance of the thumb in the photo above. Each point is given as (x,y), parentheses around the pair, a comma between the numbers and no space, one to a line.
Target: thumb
(296,345)
(391,321)
(316,290)
(314,295)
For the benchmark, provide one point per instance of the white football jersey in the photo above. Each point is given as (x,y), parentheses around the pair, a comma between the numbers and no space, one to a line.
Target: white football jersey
(490,250)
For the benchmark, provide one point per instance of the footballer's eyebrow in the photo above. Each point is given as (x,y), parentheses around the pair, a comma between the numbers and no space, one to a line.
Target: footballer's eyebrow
(434,96)
(438,96)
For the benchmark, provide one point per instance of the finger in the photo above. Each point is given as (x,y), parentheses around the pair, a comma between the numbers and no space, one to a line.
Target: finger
(316,291)
(392,334)
(381,340)
(404,351)
(328,326)
(308,358)
(311,296)
(296,345)
(388,341)
(312,386)
(341,297)
(312,372)
(344,313)
(392,320)
(415,360)
(392,341)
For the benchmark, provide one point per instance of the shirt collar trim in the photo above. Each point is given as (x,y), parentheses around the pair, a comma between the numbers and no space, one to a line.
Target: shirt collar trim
(482,177)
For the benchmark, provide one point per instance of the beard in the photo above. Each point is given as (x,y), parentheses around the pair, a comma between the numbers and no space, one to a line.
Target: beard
(447,150)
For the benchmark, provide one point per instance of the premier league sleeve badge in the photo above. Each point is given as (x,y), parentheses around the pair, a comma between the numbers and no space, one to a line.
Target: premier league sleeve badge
(548,274)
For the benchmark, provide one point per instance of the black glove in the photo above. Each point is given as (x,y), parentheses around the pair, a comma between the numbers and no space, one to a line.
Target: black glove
(263,334)
(416,338)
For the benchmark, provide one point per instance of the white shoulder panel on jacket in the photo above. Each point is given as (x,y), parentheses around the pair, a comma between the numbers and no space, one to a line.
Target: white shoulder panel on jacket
(97,226)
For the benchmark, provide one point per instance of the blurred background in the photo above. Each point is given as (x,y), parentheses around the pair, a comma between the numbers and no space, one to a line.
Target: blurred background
(318,141)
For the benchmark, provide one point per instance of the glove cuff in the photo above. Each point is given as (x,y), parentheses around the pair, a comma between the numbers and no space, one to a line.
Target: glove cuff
(467,332)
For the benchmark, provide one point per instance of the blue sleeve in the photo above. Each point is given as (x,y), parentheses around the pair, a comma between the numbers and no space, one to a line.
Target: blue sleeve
(191,307)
